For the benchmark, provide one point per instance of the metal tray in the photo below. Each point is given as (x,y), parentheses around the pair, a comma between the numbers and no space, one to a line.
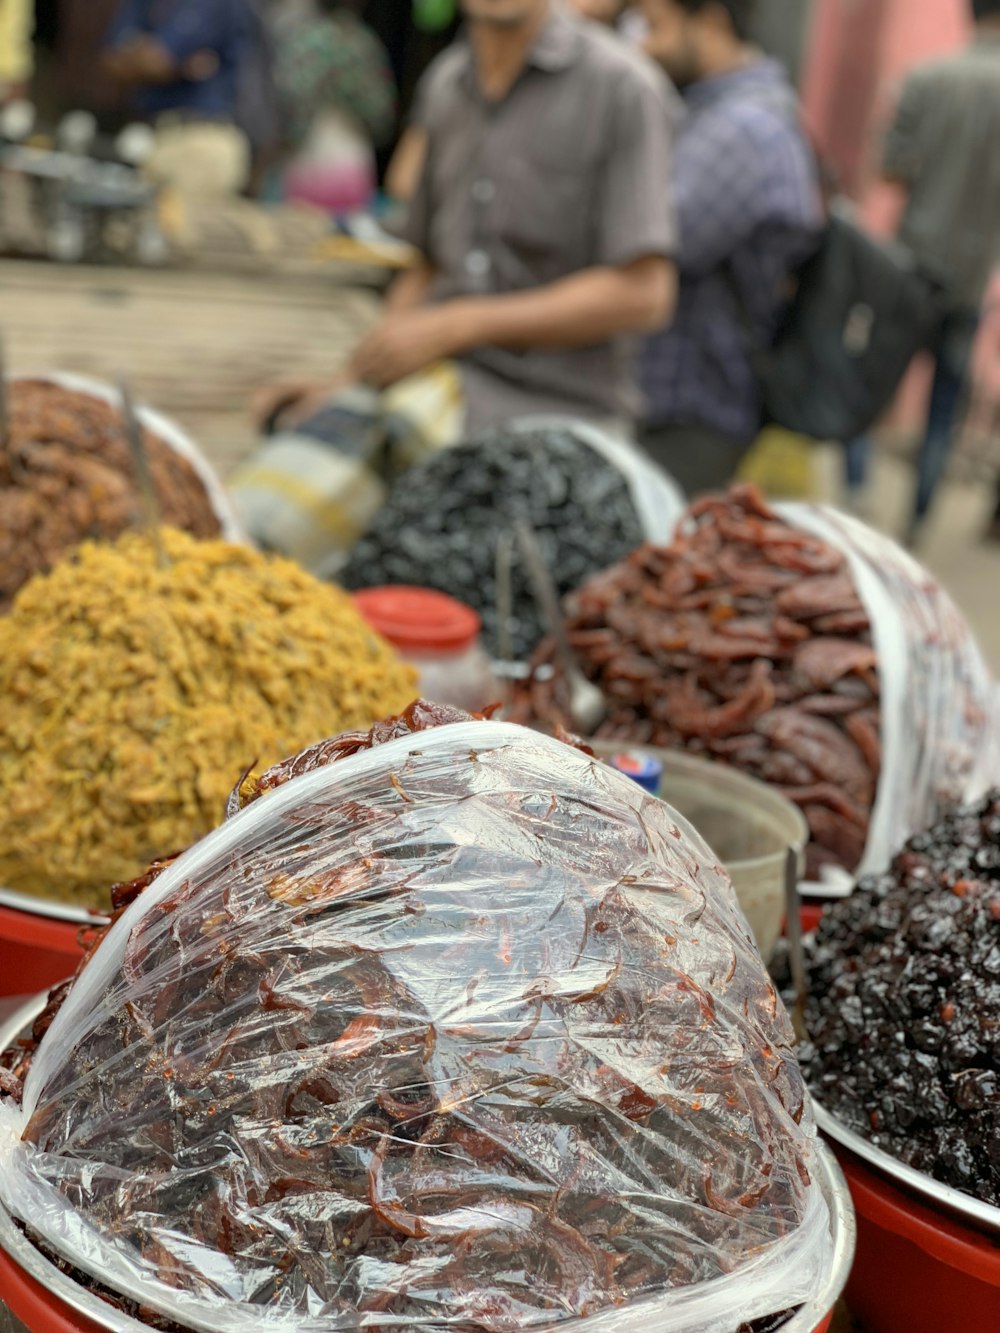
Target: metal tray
(954,1201)
(77,1298)
(50,909)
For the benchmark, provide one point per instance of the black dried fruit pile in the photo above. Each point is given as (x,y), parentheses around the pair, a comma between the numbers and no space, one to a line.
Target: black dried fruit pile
(904,1007)
(440,526)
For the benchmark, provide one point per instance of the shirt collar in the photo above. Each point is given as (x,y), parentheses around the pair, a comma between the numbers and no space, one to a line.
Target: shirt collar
(556,48)
(764,72)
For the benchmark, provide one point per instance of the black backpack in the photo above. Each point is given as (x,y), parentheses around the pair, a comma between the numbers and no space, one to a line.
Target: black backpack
(861,311)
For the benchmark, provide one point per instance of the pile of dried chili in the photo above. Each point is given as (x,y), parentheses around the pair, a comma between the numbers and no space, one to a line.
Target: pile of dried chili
(448,1026)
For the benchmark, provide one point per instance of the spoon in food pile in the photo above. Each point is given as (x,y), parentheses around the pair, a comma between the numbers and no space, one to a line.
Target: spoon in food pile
(586,702)
(144,475)
(793,934)
(4,425)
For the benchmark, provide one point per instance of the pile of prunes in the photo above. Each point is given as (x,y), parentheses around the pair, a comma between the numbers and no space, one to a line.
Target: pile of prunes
(903,1012)
(442,522)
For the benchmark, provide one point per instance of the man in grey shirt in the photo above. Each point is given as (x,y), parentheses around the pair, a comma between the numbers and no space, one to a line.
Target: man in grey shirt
(542,219)
(944,149)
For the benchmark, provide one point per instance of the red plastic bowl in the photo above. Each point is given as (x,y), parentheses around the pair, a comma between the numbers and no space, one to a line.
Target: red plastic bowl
(918,1269)
(37,1308)
(36,952)
(810,914)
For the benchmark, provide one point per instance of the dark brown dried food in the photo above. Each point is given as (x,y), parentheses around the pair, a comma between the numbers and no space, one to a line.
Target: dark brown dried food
(744,640)
(904,1004)
(472,1035)
(66,476)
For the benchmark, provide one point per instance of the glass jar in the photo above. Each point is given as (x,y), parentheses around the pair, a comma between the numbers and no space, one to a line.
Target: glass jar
(440,637)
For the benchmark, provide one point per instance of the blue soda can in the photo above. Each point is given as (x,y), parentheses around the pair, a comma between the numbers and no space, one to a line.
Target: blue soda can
(641,768)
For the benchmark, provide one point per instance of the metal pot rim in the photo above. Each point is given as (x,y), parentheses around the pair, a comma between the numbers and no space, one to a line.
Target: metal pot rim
(968,1209)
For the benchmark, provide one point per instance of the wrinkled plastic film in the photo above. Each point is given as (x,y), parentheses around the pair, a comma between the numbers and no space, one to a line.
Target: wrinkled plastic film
(939,724)
(464,1031)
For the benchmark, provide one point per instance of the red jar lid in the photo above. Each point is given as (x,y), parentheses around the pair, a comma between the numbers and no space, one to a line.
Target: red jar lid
(417,620)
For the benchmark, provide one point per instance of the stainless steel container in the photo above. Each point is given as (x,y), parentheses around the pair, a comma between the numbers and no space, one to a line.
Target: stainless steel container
(962,1206)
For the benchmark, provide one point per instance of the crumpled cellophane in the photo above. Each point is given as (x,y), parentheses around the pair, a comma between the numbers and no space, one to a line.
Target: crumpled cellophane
(464,1031)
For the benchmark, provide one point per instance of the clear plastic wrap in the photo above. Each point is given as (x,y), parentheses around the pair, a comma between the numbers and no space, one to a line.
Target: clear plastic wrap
(940,710)
(463,1031)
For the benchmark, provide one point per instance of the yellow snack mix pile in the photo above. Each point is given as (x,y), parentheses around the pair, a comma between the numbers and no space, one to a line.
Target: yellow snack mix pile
(133,697)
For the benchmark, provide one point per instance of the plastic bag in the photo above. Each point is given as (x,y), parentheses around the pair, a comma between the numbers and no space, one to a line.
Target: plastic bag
(940,711)
(311,491)
(464,1031)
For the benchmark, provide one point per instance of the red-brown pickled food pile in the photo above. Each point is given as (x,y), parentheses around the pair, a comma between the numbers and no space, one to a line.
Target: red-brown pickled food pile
(347,1136)
(66,476)
(743,641)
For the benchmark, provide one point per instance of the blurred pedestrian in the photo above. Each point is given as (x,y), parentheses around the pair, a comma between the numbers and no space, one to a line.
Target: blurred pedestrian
(750,211)
(601,11)
(336,82)
(16,57)
(183,60)
(944,150)
(542,220)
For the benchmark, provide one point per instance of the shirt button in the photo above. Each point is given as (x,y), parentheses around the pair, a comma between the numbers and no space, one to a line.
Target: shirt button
(477,263)
(484,191)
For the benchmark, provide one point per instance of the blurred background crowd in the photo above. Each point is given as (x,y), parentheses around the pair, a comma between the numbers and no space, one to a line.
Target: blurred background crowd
(621,212)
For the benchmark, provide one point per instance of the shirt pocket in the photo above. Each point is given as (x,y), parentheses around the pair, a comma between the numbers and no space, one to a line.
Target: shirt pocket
(546,218)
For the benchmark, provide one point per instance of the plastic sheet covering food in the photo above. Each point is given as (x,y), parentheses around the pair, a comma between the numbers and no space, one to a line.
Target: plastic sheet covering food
(462,1031)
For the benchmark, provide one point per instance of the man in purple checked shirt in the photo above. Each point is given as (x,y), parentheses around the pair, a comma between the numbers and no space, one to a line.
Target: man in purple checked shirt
(750,211)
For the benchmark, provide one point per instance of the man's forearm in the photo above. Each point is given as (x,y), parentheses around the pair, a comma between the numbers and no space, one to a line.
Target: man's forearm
(411,288)
(579,311)
(142,60)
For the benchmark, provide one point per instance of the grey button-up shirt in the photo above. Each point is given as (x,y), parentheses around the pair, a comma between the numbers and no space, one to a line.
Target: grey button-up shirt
(570,170)
(945,146)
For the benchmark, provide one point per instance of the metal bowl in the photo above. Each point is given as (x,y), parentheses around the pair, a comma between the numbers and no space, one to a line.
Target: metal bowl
(49,908)
(964,1206)
(83,1302)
